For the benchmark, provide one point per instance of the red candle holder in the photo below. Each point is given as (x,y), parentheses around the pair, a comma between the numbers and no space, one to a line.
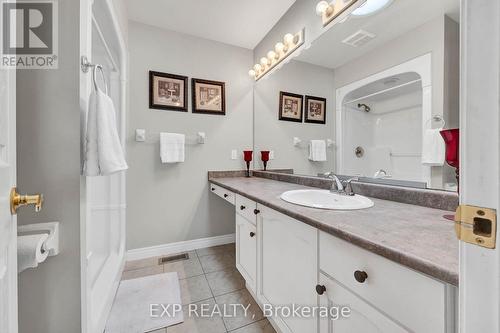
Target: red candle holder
(452,140)
(247,156)
(264,156)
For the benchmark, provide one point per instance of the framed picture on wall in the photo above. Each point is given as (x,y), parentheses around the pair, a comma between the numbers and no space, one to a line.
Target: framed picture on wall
(290,107)
(208,97)
(168,91)
(315,110)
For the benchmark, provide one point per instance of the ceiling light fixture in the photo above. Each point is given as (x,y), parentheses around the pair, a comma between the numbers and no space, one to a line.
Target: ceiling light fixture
(371,7)
(290,43)
(337,9)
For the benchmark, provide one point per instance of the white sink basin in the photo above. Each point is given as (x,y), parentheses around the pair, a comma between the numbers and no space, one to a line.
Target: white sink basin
(325,199)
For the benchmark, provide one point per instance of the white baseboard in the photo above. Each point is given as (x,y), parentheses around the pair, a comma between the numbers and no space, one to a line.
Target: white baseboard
(171,248)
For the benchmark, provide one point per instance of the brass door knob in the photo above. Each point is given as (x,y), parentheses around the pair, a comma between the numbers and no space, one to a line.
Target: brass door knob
(17,200)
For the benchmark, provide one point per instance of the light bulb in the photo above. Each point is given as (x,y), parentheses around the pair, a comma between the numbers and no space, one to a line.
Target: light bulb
(271,55)
(264,62)
(257,68)
(289,39)
(279,47)
(321,7)
(251,73)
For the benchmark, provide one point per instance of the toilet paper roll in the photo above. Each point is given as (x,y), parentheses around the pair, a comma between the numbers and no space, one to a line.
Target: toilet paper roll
(30,251)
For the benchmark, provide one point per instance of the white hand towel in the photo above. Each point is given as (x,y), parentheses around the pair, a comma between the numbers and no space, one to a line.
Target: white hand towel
(317,150)
(172,147)
(103,150)
(433,148)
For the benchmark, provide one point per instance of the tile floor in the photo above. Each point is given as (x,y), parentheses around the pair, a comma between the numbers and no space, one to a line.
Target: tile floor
(210,277)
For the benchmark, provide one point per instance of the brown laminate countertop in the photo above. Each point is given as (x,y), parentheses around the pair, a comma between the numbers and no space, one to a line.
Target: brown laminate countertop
(414,236)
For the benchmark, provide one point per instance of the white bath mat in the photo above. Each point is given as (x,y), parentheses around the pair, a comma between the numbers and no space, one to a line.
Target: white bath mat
(131,311)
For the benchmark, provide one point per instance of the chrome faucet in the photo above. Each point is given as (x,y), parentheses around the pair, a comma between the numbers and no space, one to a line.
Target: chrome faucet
(337,186)
(348,186)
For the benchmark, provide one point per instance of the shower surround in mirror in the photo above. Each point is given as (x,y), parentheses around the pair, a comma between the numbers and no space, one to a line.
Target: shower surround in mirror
(401,105)
(380,124)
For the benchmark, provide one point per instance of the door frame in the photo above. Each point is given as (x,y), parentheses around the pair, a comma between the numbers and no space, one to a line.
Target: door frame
(479,289)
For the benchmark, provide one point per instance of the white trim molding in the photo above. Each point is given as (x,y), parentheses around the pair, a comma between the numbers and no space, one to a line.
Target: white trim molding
(171,248)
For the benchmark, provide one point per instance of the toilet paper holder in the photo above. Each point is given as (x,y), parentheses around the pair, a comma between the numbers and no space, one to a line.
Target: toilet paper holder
(52,228)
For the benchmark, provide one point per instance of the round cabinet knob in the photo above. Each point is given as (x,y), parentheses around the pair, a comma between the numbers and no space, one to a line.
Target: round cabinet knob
(242,207)
(256,211)
(320,289)
(225,195)
(360,276)
(252,234)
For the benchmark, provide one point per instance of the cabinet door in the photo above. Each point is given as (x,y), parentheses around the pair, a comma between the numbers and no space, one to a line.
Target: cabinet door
(363,317)
(287,266)
(246,250)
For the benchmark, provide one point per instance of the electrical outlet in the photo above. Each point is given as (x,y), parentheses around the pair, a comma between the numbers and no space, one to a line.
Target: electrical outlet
(271,154)
(234,154)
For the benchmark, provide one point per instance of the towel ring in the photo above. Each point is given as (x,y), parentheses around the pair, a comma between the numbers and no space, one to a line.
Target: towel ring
(94,78)
(437,118)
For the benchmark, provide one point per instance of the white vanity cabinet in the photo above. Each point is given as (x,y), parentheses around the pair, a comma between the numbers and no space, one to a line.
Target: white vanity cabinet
(384,296)
(246,241)
(285,262)
(223,193)
(362,316)
(287,266)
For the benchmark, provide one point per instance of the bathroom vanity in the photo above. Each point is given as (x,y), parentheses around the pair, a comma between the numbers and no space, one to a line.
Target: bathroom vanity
(395,265)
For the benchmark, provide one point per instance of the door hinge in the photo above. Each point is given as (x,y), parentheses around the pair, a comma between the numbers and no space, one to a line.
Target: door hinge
(476,225)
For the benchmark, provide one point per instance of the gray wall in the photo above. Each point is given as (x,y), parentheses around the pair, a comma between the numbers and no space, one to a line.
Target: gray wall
(277,135)
(171,202)
(48,162)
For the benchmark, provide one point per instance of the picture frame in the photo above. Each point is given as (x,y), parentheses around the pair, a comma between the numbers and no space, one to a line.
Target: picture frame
(208,97)
(291,107)
(315,110)
(168,91)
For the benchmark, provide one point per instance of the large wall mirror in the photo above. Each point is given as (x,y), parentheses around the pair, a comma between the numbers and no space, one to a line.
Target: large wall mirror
(376,90)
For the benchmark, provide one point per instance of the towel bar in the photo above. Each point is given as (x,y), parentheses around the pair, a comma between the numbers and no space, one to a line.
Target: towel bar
(140,136)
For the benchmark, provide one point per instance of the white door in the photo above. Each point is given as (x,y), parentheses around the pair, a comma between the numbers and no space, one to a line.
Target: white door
(8,222)
(479,159)
(102,242)
(246,251)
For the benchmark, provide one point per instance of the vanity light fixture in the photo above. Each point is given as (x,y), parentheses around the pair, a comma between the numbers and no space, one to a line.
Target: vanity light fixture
(340,9)
(283,49)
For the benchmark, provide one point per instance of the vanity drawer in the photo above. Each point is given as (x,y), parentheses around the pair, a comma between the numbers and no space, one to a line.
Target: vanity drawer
(398,291)
(223,193)
(245,207)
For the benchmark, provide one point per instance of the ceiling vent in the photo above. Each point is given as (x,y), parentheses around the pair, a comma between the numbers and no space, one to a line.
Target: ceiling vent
(359,38)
